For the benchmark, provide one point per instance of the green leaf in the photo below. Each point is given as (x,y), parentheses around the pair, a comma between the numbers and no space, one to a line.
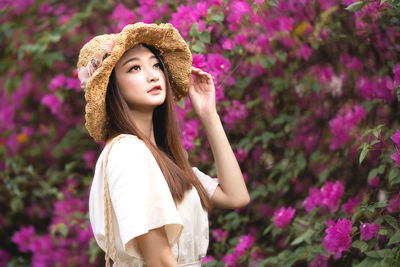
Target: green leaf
(391,221)
(395,239)
(368,262)
(363,153)
(205,37)
(194,31)
(394,176)
(267,62)
(304,236)
(199,47)
(361,245)
(181,103)
(266,231)
(218,17)
(355,6)
(374,172)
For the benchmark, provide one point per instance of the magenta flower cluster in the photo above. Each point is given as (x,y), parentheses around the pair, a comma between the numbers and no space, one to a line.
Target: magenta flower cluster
(396,139)
(245,243)
(368,231)
(283,216)
(327,197)
(338,236)
(342,125)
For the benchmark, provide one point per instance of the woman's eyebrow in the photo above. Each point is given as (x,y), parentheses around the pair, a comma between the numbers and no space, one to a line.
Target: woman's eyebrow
(136,58)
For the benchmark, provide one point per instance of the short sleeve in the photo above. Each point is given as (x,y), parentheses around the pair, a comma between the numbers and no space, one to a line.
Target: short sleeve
(140,195)
(210,184)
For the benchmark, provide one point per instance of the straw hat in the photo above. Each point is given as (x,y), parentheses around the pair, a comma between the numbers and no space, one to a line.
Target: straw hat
(98,57)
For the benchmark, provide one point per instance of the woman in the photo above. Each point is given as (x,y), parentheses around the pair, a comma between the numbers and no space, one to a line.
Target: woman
(155,203)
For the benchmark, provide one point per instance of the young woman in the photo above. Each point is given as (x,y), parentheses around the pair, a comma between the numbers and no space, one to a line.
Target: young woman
(145,196)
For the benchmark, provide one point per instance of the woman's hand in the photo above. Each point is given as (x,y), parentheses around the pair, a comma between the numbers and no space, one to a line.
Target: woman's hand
(202,93)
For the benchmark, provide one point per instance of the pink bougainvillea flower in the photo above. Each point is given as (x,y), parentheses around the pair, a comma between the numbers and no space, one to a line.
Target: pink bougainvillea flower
(328,196)
(396,138)
(368,231)
(396,157)
(245,242)
(338,237)
(396,71)
(374,182)
(229,259)
(122,16)
(24,237)
(320,261)
(52,101)
(219,234)
(90,159)
(190,132)
(207,259)
(241,154)
(394,204)
(342,124)
(228,44)
(351,204)
(57,82)
(4,258)
(283,216)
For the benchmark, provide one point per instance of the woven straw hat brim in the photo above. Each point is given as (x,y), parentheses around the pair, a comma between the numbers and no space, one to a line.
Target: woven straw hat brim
(176,56)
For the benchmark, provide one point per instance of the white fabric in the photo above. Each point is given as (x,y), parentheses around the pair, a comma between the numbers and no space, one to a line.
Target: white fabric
(142,201)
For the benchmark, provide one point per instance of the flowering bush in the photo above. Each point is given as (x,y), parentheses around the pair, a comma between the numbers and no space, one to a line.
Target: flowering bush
(308,93)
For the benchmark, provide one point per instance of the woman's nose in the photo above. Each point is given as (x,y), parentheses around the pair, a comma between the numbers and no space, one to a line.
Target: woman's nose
(153,78)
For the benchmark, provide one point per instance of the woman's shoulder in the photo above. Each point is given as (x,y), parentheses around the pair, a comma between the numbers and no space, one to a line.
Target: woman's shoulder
(125,144)
(123,138)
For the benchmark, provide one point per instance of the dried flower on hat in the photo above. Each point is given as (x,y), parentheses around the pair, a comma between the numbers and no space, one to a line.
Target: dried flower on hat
(86,72)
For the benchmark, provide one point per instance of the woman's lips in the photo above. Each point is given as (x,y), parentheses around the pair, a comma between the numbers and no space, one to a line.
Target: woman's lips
(155,90)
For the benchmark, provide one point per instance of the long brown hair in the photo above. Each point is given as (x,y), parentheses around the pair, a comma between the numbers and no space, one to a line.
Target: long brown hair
(169,152)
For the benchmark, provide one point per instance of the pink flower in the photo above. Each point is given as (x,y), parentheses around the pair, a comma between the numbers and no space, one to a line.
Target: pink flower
(396,71)
(4,257)
(24,237)
(235,114)
(374,182)
(283,216)
(304,51)
(342,125)
(207,259)
(320,261)
(189,133)
(228,44)
(368,231)
(219,234)
(57,82)
(122,16)
(352,203)
(245,242)
(396,138)
(394,204)
(241,154)
(51,101)
(328,196)
(90,159)
(396,157)
(338,237)
(230,260)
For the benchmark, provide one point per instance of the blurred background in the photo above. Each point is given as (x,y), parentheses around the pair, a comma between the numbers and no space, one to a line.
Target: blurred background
(308,93)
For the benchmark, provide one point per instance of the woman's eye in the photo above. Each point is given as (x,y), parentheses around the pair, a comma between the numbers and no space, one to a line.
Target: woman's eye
(158,65)
(134,67)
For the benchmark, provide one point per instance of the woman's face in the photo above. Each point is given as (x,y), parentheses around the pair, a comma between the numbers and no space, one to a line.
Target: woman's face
(137,72)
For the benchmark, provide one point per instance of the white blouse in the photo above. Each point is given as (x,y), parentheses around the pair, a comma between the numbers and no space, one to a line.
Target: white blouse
(141,201)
